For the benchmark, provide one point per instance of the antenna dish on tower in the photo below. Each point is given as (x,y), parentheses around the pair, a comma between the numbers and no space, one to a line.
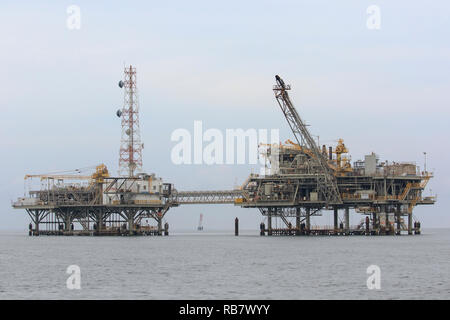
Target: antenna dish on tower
(121,84)
(119,113)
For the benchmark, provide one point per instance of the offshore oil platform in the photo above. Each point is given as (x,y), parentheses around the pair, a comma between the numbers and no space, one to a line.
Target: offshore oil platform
(304,181)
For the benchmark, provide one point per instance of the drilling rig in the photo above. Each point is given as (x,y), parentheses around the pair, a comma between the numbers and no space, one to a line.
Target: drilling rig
(308,180)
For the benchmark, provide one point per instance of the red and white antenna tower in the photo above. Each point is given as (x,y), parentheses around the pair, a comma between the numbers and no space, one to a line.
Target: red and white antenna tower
(130,159)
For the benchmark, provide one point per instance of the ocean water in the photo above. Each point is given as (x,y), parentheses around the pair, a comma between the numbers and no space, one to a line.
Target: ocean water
(218,265)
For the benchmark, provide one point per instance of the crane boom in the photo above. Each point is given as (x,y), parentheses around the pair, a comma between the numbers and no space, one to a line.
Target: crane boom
(57,176)
(327,183)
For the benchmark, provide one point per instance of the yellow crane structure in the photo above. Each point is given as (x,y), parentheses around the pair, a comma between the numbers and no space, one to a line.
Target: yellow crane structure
(342,162)
(101,172)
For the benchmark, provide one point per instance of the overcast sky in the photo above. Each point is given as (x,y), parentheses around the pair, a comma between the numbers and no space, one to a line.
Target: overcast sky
(383,91)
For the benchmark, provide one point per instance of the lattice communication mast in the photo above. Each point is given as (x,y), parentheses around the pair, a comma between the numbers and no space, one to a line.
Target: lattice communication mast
(130,159)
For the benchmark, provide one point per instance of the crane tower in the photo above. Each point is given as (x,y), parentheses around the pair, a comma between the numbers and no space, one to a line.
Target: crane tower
(326,180)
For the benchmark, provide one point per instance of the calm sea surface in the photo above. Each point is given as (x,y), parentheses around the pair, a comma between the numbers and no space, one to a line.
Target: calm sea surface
(218,265)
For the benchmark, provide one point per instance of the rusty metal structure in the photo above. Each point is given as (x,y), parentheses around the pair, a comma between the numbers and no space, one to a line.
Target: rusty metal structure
(305,180)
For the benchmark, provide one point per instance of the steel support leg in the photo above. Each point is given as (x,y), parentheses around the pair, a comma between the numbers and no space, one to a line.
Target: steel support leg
(130,225)
(160,226)
(399,224)
(308,220)
(410,223)
(269,222)
(347,220)
(67,221)
(99,222)
(36,222)
(297,220)
(383,228)
(374,221)
(335,219)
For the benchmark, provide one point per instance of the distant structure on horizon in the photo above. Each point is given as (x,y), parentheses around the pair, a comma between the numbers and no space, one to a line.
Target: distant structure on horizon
(200,223)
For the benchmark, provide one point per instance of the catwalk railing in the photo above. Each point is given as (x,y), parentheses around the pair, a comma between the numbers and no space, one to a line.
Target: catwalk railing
(206,197)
